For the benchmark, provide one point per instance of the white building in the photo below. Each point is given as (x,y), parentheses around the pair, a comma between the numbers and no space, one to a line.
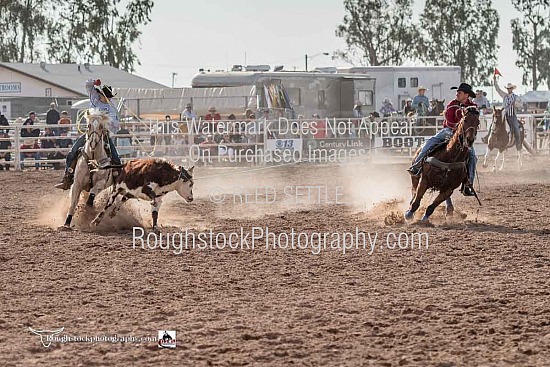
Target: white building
(25,87)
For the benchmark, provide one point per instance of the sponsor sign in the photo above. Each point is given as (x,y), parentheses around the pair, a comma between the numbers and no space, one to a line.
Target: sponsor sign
(284,144)
(10,87)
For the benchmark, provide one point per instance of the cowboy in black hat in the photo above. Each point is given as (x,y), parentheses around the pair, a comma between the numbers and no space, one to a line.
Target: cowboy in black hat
(453,115)
(100,98)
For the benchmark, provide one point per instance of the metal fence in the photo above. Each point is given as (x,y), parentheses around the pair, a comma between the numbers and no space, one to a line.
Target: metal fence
(251,142)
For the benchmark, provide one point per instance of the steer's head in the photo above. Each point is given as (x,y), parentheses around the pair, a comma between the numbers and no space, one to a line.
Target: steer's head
(184,186)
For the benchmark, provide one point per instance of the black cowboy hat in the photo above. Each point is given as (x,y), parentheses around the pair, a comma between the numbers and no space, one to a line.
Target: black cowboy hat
(467,88)
(106,90)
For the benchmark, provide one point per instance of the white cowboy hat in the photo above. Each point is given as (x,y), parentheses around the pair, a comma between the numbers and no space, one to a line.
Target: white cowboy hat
(422,87)
(510,86)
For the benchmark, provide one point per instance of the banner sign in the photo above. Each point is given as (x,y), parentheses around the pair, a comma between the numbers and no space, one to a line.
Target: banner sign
(10,87)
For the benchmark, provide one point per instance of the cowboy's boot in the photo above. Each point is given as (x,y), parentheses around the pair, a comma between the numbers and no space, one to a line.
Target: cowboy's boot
(68,178)
(467,189)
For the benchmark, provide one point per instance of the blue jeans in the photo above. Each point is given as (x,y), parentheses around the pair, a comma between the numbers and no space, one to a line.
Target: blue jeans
(35,155)
(79,143)
(514,128)
(443,135)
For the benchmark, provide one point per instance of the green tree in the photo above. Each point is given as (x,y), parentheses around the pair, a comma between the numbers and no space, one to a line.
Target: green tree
(377,32)
(24,25)
(531,40)
(462,33)
(98,31)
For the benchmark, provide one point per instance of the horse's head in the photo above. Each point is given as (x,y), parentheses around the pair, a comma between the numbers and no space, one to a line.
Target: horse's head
(184,185)
(96,123)
(497,117)
(467,129)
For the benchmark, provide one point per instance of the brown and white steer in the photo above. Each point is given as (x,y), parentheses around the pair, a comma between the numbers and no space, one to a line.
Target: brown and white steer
(149,179)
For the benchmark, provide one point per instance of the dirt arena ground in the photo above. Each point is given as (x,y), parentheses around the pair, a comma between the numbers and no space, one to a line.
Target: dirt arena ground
(479,295)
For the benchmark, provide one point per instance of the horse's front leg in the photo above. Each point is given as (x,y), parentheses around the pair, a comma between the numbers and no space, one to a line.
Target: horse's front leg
(438,200)
(496,160)
(503,158)
(415,203)
(74,194)
(520,160)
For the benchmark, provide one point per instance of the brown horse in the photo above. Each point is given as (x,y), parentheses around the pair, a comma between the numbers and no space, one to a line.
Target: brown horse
(499,139)
(445,169)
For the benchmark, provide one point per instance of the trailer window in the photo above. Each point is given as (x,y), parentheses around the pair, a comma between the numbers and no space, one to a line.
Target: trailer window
(414,82)
(401,83)
(365,96)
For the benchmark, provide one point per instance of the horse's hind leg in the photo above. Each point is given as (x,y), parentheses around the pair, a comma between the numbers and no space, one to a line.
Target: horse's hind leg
(420,191)
(450,207)
(438,200)
(487,154)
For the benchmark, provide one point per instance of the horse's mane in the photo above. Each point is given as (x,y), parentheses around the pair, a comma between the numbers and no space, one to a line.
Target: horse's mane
(458,132)
(94,112)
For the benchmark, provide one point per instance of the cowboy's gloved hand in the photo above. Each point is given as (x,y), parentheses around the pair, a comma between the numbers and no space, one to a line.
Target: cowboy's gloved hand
(97,82)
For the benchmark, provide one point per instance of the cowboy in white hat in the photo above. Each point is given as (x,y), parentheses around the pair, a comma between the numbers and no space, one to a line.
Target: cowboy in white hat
(510,101)
(421,102)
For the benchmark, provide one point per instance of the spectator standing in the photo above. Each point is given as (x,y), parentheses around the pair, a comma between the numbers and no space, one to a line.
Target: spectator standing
(3,121)
(52,116)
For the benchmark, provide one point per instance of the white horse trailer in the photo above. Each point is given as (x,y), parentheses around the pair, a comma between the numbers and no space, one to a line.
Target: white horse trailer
(326,94)
(401,82)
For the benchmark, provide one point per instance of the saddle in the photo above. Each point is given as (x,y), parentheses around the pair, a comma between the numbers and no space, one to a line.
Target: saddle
(443,165)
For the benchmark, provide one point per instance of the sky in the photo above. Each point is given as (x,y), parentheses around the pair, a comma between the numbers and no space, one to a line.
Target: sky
(185,35)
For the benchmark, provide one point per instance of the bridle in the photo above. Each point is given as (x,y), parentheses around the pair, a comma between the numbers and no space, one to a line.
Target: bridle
(91,132)
(468,110)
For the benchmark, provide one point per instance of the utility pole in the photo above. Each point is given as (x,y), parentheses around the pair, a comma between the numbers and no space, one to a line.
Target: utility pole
(311,57)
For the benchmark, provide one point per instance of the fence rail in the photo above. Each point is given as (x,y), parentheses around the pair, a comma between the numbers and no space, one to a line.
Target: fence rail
(251,142)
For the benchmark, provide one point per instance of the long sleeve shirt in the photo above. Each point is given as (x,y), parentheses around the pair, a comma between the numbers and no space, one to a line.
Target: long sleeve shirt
(510,101)
(108,108)
(454,113)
